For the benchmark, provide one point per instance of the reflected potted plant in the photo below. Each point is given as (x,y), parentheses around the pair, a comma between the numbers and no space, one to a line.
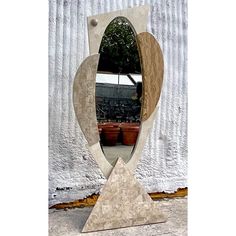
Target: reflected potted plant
(129,133)
(110,135)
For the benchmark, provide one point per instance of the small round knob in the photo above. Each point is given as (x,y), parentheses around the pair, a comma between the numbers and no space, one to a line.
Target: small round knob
(94,22)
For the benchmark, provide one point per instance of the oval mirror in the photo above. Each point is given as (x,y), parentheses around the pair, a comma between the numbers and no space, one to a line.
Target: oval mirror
(118,91)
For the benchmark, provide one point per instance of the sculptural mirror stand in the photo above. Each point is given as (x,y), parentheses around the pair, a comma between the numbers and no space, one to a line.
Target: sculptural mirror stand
(123,201)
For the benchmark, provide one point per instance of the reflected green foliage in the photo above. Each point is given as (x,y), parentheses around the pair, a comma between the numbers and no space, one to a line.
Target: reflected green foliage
(118,50)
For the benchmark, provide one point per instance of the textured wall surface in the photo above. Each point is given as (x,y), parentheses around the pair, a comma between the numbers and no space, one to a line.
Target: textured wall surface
(73,174)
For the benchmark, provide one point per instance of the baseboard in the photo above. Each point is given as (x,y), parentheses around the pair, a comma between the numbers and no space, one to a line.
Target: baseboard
(91,200)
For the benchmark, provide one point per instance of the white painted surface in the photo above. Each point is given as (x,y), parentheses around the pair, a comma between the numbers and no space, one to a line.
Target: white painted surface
(73,174)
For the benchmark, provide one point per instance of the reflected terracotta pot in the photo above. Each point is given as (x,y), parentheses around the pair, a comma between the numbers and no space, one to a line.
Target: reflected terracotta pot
(113,124)
(102,125)
(129,124)
(129,134)
(110,135)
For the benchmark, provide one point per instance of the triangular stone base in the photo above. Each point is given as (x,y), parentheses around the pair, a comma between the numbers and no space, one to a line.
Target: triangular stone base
(123,202)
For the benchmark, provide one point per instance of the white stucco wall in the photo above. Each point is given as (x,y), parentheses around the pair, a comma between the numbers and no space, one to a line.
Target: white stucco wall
(73,174)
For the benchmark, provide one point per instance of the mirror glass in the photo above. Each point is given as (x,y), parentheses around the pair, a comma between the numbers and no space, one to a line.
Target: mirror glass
(118,91)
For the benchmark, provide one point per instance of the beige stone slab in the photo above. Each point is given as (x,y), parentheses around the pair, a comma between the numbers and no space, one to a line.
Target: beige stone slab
(123,202)
(137,16)
(85,109)
(145,129)
(101,160)
(152,65)
(84,98)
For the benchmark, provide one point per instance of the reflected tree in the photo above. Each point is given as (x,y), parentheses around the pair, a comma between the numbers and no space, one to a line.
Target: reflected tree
(118,50)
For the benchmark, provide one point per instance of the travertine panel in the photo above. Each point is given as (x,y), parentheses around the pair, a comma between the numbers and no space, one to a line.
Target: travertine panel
(122,203)
(101,160)
(84,98)
(85,109)
(152,75)
(152,72)
(138,17)
(145,128)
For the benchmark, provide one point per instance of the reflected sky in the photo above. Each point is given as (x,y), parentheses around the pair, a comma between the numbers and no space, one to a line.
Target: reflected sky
(113,79)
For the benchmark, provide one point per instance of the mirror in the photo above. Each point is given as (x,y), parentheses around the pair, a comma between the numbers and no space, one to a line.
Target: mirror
(118,91)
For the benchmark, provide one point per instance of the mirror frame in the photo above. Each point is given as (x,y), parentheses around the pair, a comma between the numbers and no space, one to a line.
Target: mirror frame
(152,68)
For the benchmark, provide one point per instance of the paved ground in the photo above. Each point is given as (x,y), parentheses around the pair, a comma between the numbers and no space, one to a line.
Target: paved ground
(113,152)
(71,222)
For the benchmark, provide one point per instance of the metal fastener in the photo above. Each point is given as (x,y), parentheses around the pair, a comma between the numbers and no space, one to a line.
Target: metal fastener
(94,22)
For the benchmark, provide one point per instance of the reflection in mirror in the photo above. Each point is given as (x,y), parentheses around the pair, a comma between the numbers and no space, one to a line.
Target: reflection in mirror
(118,91)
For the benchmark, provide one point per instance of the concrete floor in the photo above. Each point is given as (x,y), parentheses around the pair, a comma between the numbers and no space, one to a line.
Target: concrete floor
(71,222)
(113,152)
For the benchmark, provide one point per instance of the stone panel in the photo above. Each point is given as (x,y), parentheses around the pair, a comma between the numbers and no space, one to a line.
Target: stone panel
(137,16)
(84,98)
(122,203)
(152,72)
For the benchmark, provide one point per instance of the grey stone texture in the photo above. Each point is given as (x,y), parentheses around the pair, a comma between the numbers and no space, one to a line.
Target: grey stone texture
(122,203)
(71,222)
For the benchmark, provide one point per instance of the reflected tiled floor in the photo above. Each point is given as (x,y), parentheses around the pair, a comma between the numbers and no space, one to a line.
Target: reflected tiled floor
(113,152)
